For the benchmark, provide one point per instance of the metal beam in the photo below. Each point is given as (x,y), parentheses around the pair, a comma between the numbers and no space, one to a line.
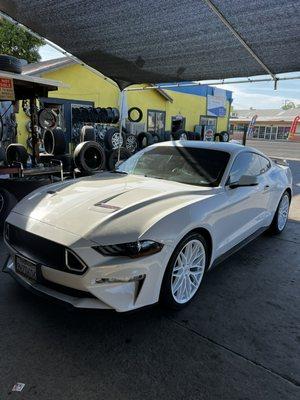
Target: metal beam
(222,82)
(240,39)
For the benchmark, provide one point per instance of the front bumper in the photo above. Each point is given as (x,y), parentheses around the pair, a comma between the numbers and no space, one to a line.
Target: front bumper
(105,280)
(44,291)
(115,284)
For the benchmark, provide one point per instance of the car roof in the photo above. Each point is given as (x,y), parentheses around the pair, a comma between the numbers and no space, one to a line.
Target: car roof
(231,148)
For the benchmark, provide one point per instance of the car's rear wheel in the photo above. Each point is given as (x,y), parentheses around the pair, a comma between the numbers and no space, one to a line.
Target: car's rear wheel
(281,215)
(184,272)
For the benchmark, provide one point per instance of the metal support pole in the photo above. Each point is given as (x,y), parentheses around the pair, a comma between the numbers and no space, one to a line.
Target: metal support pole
(245,135)
(34,135)
(122,98)
(216,11)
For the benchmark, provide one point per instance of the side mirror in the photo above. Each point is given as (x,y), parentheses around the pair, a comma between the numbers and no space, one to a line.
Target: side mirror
(245,180)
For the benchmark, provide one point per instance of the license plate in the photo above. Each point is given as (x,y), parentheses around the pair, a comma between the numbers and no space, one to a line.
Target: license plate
(25,268)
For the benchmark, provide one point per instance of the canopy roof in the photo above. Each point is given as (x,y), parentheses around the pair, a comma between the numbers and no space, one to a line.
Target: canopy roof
(169,40)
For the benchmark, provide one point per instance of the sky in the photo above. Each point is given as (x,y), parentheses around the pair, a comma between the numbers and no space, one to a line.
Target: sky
(245,95)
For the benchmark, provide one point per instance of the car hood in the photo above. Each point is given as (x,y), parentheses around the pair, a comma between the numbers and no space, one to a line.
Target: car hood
(107,206)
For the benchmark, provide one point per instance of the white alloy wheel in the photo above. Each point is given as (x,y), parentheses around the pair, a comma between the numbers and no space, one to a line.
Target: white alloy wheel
(188,271)
(283,212)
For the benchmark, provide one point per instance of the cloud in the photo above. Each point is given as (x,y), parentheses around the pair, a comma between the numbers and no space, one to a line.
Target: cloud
(262,95)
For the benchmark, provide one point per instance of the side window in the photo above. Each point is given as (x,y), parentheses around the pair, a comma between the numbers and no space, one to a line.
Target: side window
(265,164)
(245,164)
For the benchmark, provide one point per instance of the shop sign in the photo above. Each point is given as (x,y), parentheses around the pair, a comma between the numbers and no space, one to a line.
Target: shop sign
(216,105)
(7,89)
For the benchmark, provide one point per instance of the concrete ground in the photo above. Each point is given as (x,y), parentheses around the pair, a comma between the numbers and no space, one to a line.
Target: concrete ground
(240,339)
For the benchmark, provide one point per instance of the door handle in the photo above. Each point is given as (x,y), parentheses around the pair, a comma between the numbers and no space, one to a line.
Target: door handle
(266,187)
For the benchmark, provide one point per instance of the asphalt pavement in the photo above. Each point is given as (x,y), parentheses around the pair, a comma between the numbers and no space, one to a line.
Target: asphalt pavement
(239,339)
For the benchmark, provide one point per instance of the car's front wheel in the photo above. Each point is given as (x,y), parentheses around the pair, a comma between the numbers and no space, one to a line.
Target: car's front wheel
(281,215)
(184,272)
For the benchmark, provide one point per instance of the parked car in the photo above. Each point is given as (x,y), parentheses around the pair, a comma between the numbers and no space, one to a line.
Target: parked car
(148,231)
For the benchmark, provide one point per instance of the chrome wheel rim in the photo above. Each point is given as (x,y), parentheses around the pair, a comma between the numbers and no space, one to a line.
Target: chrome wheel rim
(188,271)
(1,202)
(131,144)
(283,212)
(116,140)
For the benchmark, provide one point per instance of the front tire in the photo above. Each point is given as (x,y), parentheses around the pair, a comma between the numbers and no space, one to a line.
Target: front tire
(281,215)
(184,272)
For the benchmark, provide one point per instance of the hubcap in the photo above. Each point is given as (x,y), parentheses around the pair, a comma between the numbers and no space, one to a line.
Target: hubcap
(188,271)
(283,212)
(1,202)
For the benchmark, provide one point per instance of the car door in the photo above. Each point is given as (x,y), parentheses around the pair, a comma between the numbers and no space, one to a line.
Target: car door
(245,210)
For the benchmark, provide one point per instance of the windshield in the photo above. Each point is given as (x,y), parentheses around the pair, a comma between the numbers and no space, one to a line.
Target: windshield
(190,165)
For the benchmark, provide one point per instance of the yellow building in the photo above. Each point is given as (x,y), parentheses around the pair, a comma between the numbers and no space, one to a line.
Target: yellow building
(202,107)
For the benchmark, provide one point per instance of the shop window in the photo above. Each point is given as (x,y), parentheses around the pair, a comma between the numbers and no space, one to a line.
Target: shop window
(261,132)
(280,132)
(273,132)
(156,121)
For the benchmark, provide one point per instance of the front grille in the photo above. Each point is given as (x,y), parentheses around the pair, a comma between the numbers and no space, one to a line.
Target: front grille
(38,249)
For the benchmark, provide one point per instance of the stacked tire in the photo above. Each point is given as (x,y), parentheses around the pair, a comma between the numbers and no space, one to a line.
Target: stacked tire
(221,137)
(89,157)
(108,115)
(16,153)
(118,147)
(55,148)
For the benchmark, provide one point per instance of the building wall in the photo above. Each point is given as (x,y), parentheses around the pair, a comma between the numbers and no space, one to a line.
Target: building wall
(85,85)
(190,106)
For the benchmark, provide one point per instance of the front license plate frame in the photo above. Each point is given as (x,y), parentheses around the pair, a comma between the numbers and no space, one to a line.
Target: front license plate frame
(26,268)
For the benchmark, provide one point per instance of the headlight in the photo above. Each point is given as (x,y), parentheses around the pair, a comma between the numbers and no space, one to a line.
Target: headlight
(134,249)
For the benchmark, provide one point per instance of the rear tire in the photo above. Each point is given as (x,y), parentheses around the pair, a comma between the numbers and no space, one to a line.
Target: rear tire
(184,271)
(281,216)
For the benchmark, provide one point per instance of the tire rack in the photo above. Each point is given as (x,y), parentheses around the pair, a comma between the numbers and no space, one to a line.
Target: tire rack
(17,180)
